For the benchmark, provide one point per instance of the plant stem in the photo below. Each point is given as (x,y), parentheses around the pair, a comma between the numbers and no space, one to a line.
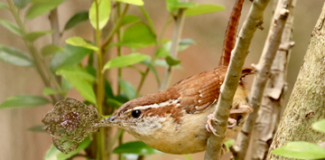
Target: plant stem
(119,48)
(262,73)
(228,89)
(144,76)
(100,87)
(31,48)
(115,28)
(174,48)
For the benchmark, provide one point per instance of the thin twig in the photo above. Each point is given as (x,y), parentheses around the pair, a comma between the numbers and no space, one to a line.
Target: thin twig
(262,69)
(274,94)
(252,22)
(174,47)
(153,57)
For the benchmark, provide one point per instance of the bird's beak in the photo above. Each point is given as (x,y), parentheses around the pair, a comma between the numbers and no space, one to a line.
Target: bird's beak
(113,119)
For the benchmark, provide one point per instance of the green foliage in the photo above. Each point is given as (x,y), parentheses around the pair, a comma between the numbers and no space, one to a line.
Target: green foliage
(38,128)
(203,9)
(130,19)
(173,5)
(319,126)
(78,41)
(40,7)
(303,150)
(104,10)
(136,147)
(300,150)
(127,88)
(32,36)
(138,36)
(24,101)
(21,3)
(55,154)
(126,60)
(49,91)
(134,2)
(69,57)
(81,80)
(165,49)
(11,27)
(76,64)
(172,61)
(76,19)
(3,5)
(229,143)
(51,49)
(14,56)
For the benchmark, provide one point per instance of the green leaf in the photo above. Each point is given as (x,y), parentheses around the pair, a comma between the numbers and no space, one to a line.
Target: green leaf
(150,22)
(104,11)
(78,41)
(136,147)
(14,56)
(188,157)
(77,72)
(81,80)
(34,35)
(42,7)
(49,91)
(229,143)
(83,145)
(172,61)
(113,103)
(164,50)
(11,27)
(319,126)
(125,60)
(51,153)
(130,19)
(38,128)
(127,89)
(66,85)
(24,101)
(153,69)
(21,3)
(3,5)
(76,19)
(203,9)
(108,90)
(134,2)
(138,36)
(300,150)
(69,57)
(173,5)
(51,49)
(55,154)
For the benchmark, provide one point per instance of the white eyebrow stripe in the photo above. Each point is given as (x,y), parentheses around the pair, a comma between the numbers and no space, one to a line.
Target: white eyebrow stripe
(162,104)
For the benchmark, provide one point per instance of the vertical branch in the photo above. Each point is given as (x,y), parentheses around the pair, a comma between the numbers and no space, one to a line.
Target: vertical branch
(54,20)
(228,89)
(306,102)
(174,48)
(262,69)
(100,86)
(274,93)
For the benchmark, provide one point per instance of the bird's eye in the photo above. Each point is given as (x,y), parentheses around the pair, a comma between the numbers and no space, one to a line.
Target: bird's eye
(136,113)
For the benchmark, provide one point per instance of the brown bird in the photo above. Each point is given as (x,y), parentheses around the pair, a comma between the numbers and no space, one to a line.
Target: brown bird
(178,119)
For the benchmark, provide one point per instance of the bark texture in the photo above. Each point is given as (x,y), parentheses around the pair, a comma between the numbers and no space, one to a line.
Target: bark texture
(272,102)
(307,102)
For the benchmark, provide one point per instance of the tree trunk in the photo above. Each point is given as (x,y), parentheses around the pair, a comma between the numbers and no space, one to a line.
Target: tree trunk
(307,102)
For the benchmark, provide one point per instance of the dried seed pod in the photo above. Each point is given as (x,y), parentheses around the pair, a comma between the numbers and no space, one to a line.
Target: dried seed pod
(70,122)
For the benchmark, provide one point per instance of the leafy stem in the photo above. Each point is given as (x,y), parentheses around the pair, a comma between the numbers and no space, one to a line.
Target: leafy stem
(39,63)
(158,44)
(100,85)
(115,28)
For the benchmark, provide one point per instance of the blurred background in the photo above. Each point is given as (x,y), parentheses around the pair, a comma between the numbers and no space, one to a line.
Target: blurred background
(207,30)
